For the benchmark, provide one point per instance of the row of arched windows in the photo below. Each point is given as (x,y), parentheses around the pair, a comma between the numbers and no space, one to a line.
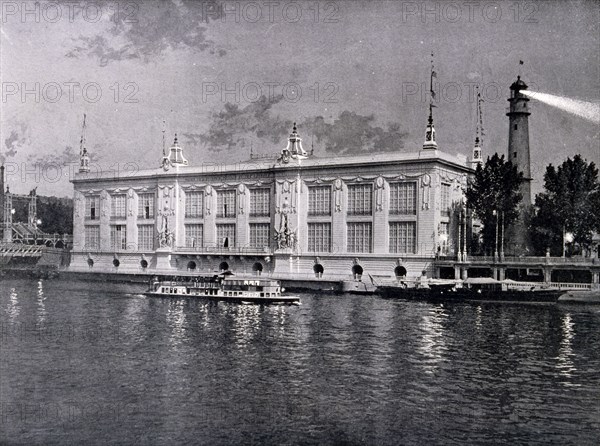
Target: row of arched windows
(257,268)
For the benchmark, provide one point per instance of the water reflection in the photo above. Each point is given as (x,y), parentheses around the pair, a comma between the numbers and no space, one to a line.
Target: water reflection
(478,312)
(279,318)
(13,308)
(381,340)
(176,319)
(205,320)
(41,315)
(336,370)
(432,343)
(565,365)
(246,324)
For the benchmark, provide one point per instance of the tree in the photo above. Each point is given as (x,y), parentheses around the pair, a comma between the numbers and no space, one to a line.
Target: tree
(570,203)
(493,194)
(56,215)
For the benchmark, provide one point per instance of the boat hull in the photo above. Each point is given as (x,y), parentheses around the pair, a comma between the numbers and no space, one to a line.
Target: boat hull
(236,299)
(464,294)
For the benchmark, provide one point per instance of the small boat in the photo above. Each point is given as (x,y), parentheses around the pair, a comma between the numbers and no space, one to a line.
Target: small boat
(581,297)
(478,289)
(222,287)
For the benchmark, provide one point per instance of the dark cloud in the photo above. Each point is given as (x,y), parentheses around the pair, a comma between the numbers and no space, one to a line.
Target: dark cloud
(149,28)
(15,141)
(68,156)
(350,133)
(233,127)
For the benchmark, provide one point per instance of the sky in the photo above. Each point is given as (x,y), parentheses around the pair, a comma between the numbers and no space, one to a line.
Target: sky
(230,77)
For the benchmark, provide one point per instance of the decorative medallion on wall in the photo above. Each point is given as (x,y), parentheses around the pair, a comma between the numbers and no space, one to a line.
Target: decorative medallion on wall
(241,197)
(379,189)
(130,201)
(287,196)
(337,193)
(426,185)
(208,190)
(166,197)
(104,203)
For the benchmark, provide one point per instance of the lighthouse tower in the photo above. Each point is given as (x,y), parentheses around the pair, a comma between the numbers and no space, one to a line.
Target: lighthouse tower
(518,135)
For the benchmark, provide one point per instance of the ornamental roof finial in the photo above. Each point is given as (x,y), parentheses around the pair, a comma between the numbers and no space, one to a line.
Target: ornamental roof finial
(430,130)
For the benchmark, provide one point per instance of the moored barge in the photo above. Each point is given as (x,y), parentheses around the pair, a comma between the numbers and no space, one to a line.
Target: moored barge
(472,289)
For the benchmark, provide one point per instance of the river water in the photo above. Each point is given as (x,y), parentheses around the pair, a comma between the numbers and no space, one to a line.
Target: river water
(80,365)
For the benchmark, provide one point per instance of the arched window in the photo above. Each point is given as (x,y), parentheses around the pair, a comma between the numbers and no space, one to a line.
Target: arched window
(400,272)
(318,269)
(257,268)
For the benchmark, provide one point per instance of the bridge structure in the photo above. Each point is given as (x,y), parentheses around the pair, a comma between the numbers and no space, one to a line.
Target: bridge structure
(572,271)
(28,233)
(24,243)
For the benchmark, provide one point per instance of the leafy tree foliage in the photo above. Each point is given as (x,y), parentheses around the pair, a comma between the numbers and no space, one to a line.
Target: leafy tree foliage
(570,203)
(55,213)
(493,195)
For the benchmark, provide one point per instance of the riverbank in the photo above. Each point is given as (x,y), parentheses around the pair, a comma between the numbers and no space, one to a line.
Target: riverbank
(289,283)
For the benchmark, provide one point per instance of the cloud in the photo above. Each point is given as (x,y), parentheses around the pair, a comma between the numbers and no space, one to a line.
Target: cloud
(150,28)
(350,133)
(15,141)
(234,127)
(67,157)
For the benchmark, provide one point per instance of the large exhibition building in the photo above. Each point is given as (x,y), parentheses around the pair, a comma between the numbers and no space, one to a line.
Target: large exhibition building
(384,214)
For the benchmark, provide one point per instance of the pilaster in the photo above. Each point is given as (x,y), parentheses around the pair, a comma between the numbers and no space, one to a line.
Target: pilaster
(131,219)
(105,221)
(381,210)
(242,226)
(339,233)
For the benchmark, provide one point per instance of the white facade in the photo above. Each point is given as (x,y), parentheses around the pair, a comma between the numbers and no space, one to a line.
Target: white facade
(384,214)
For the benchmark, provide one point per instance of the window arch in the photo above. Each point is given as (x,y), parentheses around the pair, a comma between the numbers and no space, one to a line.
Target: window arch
(400,271)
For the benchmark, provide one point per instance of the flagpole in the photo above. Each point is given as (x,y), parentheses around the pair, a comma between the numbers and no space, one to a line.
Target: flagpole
(431,92)
(520,66)
(82,141)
